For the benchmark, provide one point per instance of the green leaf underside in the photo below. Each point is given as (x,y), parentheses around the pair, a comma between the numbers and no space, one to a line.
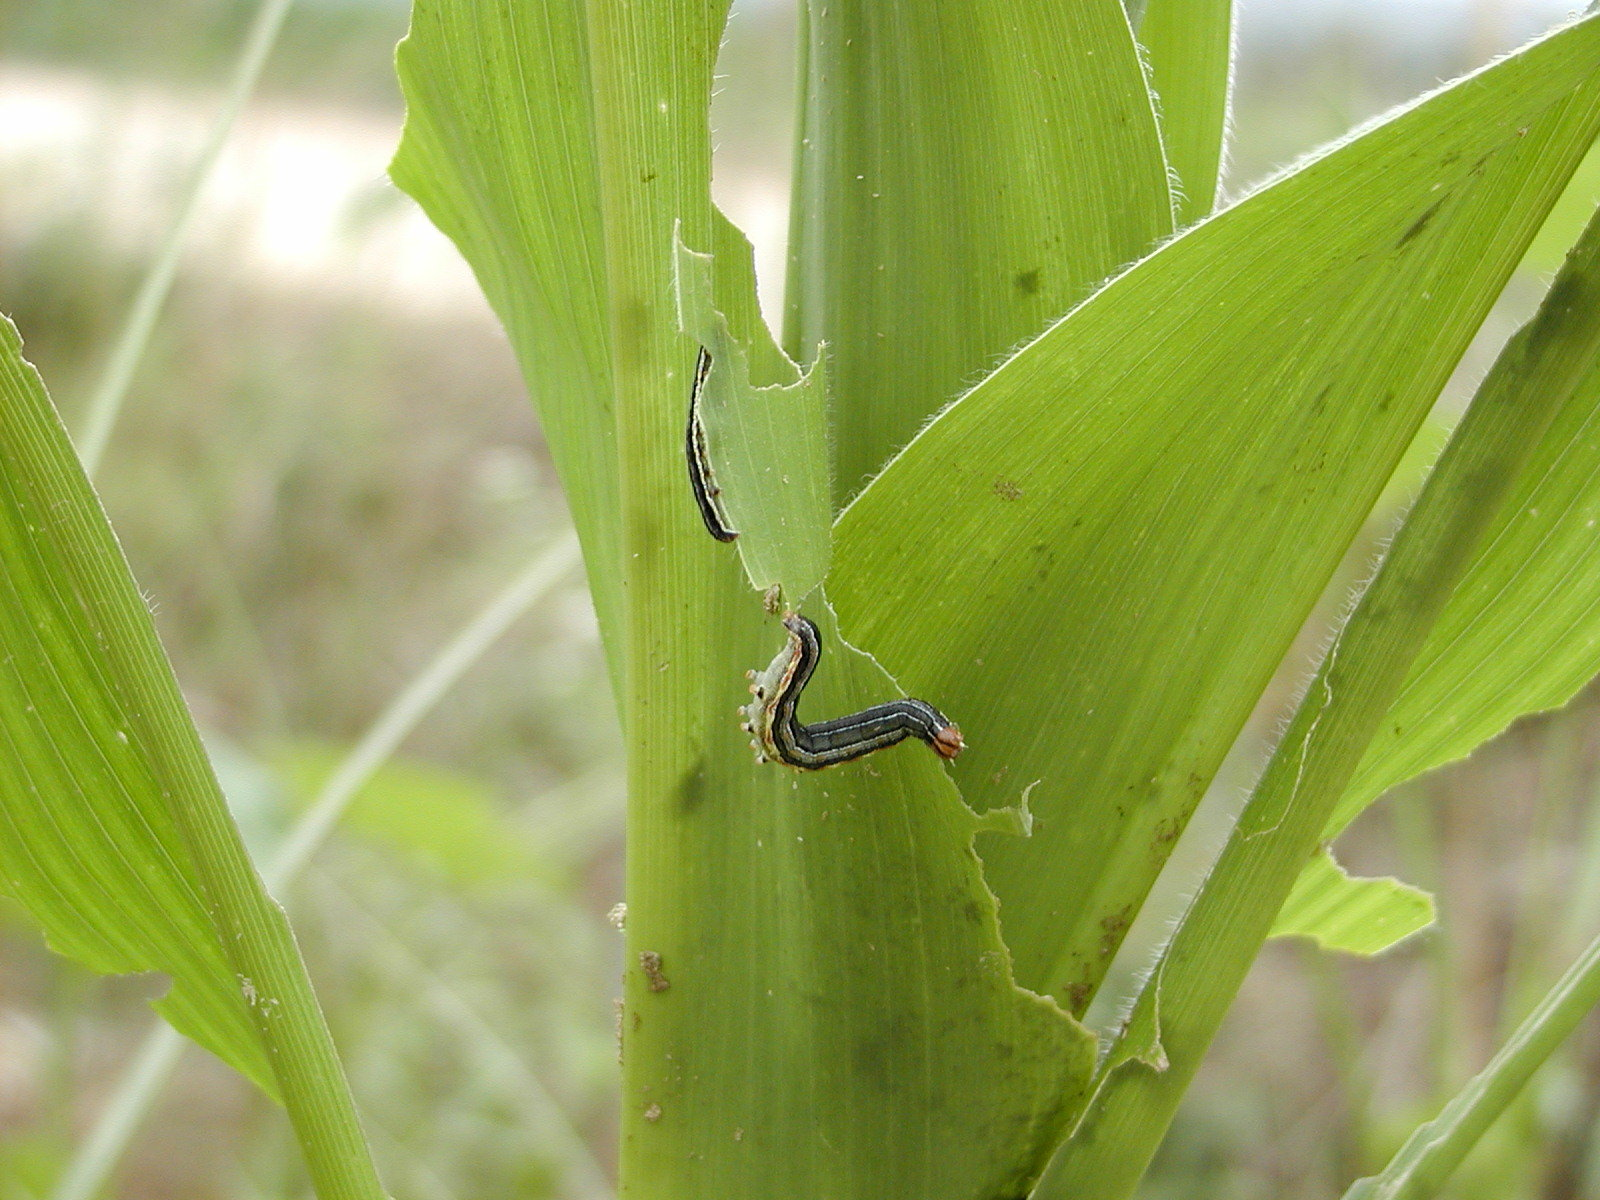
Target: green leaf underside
(95,740)
(1357,916)
(1187,47)
(506,169)
(1216,939)
(1522,632)
(768,446)
(966,173)
(1132,526)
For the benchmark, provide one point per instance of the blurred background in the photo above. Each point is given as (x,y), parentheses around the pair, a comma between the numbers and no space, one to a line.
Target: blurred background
(326,467)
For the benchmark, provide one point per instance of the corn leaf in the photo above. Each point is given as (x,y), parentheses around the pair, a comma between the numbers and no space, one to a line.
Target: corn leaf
(88,844)
(1522,632)
(966,173)
(1339,911)
(1126,524)
(113,832)
(1216,938)
(525,209)
(1188,46)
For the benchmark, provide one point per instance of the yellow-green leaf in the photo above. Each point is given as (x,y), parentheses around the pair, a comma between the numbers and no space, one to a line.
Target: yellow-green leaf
(1339,911)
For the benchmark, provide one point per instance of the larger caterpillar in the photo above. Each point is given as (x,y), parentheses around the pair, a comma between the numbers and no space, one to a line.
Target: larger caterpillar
(779,735)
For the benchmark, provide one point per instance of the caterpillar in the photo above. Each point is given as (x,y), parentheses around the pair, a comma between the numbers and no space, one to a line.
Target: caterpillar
(780,736)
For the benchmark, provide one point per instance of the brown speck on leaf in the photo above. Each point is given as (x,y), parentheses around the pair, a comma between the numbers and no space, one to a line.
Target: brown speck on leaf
(1007,490)
(650,964)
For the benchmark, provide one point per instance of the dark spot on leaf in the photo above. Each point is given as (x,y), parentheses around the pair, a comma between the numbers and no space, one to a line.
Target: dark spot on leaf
(1420,223)
(647,176)
(1027,283)
(1007,490)
(874,1054)
(691,790)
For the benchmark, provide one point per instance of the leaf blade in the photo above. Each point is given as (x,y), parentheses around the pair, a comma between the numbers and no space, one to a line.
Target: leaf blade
(1339,911)
(1522,632)
(953,165)
(1188,52)
(113,891)
(1422,1165)
(510,174)
(132,861)
(1218,936)
(1155,553)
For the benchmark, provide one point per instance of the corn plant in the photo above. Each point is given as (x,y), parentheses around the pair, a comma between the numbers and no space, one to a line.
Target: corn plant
(1050,441)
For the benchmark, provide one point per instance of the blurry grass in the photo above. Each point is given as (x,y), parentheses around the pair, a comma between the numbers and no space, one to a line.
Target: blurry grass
(326,53)
(314,493)
(1326,1064)
(314,496)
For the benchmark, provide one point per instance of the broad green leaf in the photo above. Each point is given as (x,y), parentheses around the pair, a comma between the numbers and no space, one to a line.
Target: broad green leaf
(1188,46)
(767,446)
(510,174)
(1280,827)
(1522,632)
(966,173)
(1357,916)
(113,832)
(91,726)
(1117,536)
(1420,1168)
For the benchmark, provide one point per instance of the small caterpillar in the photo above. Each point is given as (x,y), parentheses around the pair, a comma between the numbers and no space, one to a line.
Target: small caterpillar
(779,735)
(700,478)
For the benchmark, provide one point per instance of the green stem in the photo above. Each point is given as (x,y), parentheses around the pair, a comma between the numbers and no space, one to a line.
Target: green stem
(1435,1149)
(142,1082)
(112,390)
